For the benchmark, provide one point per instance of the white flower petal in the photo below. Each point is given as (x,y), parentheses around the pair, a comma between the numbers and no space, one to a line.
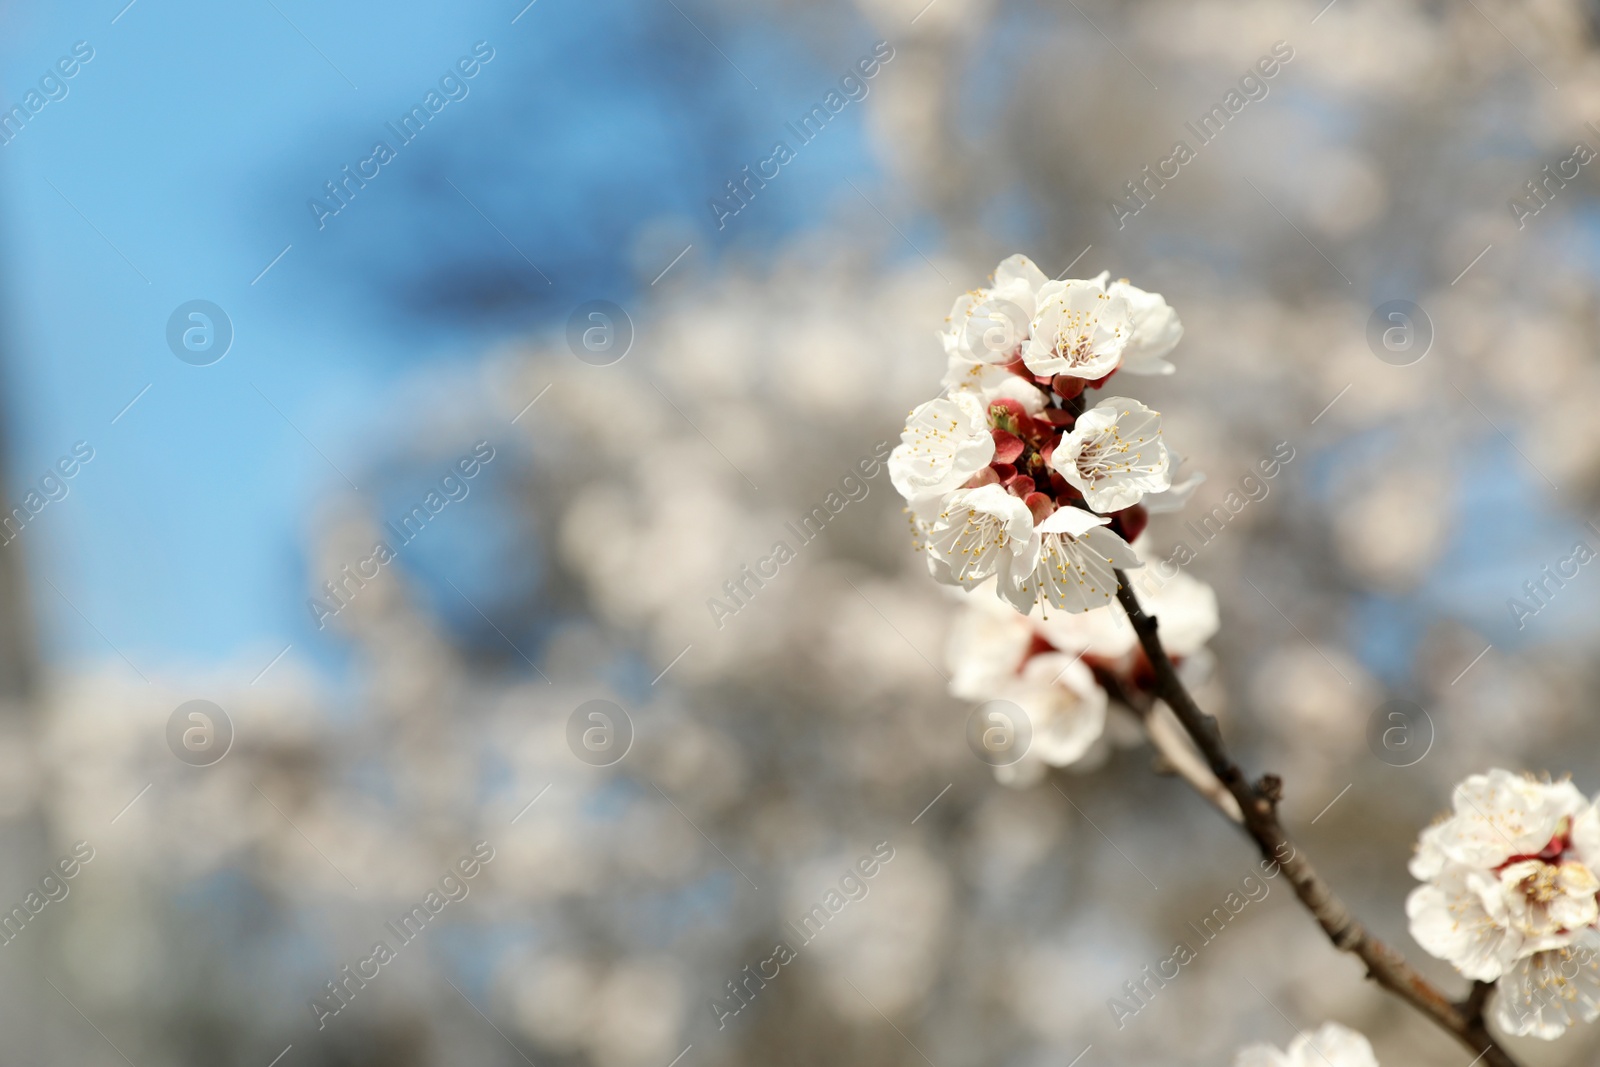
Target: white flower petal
(1114,454)
(1547,993)
(1331,1045)
(1066,709)
(1073,573)
(988,382)
(1156,330)
(1079,330)
(993,325)
(979,533)
(1450,921)
(945,442)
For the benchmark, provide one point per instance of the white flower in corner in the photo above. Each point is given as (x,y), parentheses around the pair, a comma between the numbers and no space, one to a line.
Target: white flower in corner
(1331,1046)
(1510,895)
(1548,993)
(1079,330)
(945,442)
(992,325)
(1073,567)
(1114,454)
(981,533)
(1156,329)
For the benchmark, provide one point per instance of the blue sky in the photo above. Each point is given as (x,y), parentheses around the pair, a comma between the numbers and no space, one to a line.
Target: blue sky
(181,164)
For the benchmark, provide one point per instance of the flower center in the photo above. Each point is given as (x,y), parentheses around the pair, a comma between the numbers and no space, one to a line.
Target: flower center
(1543,885)
(976,542)
(1075,339)
(1102,456)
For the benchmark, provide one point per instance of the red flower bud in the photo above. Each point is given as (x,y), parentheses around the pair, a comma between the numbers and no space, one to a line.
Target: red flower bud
(1041,506)
(1058,417)
(1019,485)
(1067,387)
(1007,446)
(1130,522)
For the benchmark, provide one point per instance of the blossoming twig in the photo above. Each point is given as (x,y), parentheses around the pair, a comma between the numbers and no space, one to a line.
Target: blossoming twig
(1259,805)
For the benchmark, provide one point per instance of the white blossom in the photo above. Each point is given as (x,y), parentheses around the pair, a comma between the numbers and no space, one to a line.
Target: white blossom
(1510,895)
(982,533)
(1066,711)
(945,442)
(1156,329)
(1080,330)
(1547,993)
(992,325)
(993,654)
(990,381)
(1114,454)
(1073,566)
(1331,1046)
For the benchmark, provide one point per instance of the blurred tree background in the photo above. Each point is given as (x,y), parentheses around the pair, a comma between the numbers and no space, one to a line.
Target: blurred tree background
(770,752)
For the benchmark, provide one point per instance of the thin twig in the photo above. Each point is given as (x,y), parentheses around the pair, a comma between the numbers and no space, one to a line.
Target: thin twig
(1259,805)
(1175,752)
(1477,1000)
(1168,738)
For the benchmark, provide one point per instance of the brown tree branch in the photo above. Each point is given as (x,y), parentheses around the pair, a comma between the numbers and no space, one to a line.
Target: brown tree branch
(1259,805)
(1175,753)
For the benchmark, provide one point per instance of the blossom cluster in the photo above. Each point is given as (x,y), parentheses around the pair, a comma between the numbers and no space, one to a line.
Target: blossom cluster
(1511,896)
(1029,491)
(1012,475)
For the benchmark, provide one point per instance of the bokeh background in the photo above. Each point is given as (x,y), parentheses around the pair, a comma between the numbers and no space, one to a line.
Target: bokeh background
(771,350)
